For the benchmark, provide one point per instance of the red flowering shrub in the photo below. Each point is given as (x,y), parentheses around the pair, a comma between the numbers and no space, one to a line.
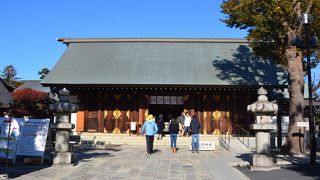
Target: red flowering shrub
(29,95)
(28,102)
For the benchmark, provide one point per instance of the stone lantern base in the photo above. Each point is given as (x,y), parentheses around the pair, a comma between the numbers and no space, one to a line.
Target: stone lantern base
(63,159)
(263,162)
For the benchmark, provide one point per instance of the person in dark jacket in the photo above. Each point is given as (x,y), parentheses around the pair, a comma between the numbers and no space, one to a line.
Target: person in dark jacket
(160,124)
(174,130)
(194,128)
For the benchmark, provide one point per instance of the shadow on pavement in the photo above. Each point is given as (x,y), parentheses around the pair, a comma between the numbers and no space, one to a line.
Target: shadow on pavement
(292,172)
(245,157)
(85,154)
(81,154)
(297,168)
(16,170)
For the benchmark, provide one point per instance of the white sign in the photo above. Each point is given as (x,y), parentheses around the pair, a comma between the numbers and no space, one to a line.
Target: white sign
(133,126)
(33,137)
(15,125)
(284,124)
(303,124)
(205,146)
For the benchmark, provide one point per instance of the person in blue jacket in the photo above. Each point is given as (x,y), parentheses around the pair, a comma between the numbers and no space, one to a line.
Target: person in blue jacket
(150,129)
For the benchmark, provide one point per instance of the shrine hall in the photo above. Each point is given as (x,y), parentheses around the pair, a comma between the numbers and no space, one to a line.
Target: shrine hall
(116,81)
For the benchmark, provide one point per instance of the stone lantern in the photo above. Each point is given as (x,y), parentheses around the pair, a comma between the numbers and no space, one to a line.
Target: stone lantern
(62,109)
(263,111)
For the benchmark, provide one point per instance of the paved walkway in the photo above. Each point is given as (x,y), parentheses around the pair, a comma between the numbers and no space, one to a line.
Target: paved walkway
(128,162)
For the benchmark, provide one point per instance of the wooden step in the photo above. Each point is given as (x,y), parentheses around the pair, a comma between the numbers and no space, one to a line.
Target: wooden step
(118,139)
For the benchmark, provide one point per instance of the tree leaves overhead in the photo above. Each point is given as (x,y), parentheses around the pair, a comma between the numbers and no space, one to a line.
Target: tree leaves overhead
(272,25)
(268,23)
(43,72)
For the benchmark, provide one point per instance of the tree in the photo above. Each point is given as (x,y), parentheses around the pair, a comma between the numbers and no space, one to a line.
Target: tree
(43,72)
(271,26)
(9,74)
(28,102)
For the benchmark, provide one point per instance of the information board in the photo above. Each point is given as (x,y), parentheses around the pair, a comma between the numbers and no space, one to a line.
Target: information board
(133,126)
(33,137)
(284,124)
(15,126)
(205,146)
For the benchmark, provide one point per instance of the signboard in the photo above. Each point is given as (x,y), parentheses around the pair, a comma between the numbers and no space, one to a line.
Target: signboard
(284,124)
(15,125)
(159,99)
(180,100)
(133,126)
(173,100)
(166,99)
(153,100)
(33,137)
(303,124)
(205,146)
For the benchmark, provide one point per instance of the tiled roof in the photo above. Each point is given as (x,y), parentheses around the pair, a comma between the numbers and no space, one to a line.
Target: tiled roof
(162,61)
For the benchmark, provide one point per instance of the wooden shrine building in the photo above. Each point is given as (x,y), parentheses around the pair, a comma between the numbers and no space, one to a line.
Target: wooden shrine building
(117,81)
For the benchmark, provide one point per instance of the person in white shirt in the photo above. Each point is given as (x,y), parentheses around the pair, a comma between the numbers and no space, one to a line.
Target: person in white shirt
(187,120)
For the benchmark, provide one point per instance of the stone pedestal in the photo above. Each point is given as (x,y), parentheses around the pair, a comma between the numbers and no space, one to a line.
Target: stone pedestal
(263,162)
(263,137)
(62,158)
(62,155)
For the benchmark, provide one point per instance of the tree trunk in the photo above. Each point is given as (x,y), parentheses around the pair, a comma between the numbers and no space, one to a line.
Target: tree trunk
(295,139)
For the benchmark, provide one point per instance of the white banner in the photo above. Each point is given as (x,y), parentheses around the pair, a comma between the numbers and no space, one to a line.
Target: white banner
(15,126)
(33,137)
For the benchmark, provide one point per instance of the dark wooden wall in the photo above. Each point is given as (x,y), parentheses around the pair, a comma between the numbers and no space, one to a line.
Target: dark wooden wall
(97,109)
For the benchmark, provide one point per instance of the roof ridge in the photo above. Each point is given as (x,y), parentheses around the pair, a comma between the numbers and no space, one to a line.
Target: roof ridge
(145,39)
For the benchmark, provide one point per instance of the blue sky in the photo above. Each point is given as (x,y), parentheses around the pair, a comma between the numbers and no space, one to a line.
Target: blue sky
(29,28)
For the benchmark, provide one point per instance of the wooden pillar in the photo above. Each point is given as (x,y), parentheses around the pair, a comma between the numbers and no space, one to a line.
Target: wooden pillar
(131,117)
(199,110)
(80,121)
(124,106)
(109,108)
(143,108)
(80,116)
(189,103)
(207,116)
(136,107)
(100,113)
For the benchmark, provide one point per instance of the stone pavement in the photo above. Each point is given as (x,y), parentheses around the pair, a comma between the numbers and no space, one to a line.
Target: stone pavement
(130,162)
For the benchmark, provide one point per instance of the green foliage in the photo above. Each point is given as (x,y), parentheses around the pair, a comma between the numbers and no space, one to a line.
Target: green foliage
(9,74)
(270,23)
(43,72)
(271,26)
